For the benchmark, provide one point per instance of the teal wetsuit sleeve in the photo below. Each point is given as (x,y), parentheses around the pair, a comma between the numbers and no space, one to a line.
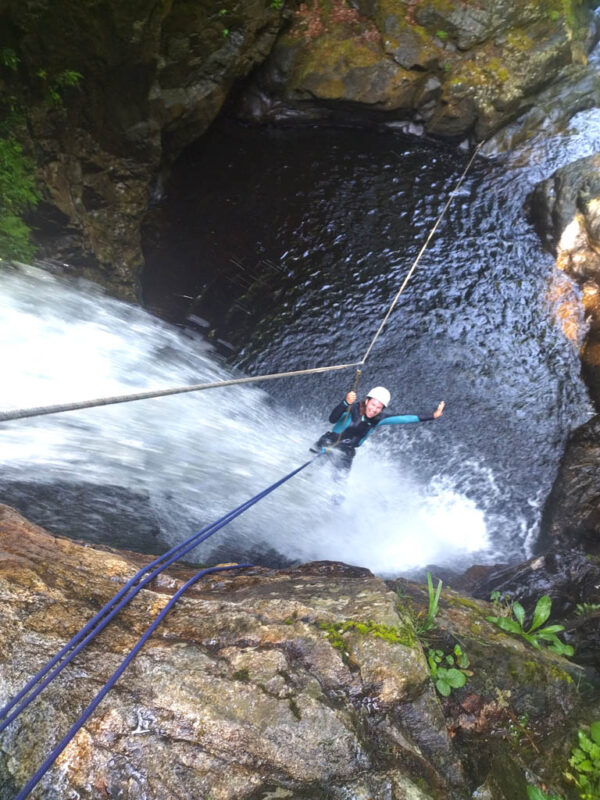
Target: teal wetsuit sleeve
(402,419)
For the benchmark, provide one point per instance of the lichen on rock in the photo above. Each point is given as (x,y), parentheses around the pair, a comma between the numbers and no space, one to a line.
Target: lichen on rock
(488,60)
(153,77)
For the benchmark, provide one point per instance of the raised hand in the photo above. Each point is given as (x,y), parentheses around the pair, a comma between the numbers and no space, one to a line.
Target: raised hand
(439,410)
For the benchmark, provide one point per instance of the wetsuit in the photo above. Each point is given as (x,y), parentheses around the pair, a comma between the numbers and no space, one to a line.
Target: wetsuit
(355,427)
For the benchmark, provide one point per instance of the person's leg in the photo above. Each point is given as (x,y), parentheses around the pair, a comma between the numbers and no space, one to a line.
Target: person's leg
(343,455)
(345,458)
(326,440)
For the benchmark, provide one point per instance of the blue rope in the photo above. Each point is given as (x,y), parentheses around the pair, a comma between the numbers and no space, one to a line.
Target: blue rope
(101,619)
(34,780)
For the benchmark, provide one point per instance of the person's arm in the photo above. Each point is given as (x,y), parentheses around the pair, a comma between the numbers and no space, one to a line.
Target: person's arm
(402,419)
(342,407)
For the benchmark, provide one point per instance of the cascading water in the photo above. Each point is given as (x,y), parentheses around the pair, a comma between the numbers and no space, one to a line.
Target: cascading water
(475,329)
(179,462)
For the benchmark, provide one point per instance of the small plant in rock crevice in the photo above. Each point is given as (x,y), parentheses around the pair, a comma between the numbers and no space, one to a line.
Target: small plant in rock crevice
(53,86)
(583,609)
(501,604)
(535,793)
(448,671)
(535,634)
(422,626)
(584,764)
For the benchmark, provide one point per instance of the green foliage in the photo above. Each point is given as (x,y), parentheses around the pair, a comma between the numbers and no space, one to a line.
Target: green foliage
(535,634)
(583,609)
(434,603)
(53,87)
(443,35)
(14,238)
(276,4)
(500,603)
(585,763)
(535,793)
(9,106)
(17,185)
(335,638)
(8,58)
(376,629)
(447,670)
(17,176)
(17,195)
(517,728)
(223,13)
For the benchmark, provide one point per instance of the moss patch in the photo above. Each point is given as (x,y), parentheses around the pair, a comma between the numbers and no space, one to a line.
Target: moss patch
(404,635)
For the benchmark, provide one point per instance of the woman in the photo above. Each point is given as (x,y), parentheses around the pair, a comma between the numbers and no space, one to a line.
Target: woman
(355,421)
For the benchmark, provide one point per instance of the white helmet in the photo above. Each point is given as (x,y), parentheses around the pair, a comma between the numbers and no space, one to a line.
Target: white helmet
(381,394)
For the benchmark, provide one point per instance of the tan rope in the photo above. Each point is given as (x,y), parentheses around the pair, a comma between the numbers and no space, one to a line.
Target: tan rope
(421,251)
(348,410)
(127,398)
(405,282)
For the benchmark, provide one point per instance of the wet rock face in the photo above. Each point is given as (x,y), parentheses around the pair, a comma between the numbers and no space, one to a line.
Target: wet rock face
(153,77)
(574,502)
(567,564)
(155,74)
(451,68)
(569,576)
(565,209)
(305,683)
(576,89)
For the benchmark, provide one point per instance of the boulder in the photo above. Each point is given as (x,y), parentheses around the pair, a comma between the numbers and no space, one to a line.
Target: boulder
(153,76)
(307,682)
(566,566)
(565,210)
(576,89)
(574,501)
(455,69)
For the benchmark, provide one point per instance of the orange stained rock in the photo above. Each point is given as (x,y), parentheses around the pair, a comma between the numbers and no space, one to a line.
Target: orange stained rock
(591,298)
(591,354)
(566,307)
